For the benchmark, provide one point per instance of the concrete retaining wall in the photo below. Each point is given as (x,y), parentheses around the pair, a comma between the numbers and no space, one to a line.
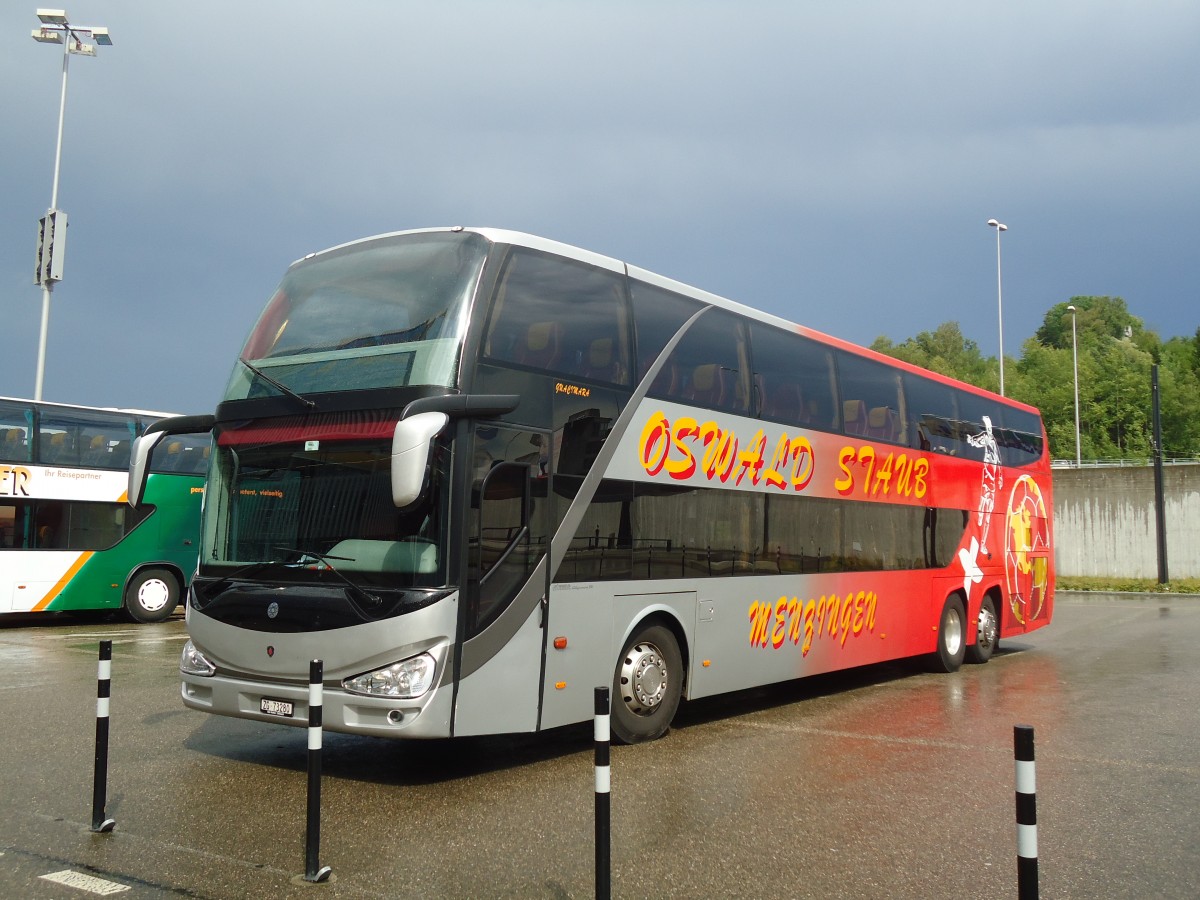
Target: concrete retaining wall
(1104,521)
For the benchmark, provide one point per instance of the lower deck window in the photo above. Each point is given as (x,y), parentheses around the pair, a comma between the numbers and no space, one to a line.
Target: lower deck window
(65,524)
(643,531)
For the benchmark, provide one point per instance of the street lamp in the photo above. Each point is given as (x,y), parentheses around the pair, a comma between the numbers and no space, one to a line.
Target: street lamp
(999,226)
(52,233)
(1075,365)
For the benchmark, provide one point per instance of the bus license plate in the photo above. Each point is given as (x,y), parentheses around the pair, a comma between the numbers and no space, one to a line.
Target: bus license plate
(271,707)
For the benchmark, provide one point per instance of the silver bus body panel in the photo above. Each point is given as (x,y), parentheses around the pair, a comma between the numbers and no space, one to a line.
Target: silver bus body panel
(501,696)
(256,664)
(597,622)
(723,651)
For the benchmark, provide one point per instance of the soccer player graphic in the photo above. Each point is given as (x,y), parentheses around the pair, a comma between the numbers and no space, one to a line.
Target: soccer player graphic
(993,479)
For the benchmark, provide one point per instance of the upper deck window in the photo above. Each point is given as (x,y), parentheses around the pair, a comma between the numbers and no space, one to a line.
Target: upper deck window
(98,440)
(383,313)
(794,379)
(16,425)
(560,316)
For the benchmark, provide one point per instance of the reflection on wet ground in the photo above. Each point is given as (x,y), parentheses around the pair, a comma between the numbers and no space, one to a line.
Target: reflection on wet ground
(887,781)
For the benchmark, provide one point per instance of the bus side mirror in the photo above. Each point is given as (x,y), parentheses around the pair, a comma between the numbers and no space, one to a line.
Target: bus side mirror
(411,445)
(139,463)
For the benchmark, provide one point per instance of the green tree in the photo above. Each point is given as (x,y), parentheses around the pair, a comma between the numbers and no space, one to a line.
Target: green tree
(1095,317)
(1179,392)
(1115,352)
(945,351)
(1043,377)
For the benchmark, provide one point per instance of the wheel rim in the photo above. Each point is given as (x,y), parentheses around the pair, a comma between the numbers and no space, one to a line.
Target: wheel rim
(153,594)
(987,628)
(953,633)
(644,678)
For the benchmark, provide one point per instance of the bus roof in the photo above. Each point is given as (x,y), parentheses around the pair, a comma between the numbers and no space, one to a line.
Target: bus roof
(109,409)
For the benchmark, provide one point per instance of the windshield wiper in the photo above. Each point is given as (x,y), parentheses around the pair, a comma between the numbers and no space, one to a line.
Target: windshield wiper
(277,384)
(213,589)
(361,595)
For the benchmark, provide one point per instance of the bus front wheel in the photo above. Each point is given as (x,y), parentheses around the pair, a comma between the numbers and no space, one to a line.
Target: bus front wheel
(952,636)
(647,685)
(151,596)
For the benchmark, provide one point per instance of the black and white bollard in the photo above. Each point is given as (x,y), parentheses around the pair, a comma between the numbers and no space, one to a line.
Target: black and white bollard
(100,823)
(313,871)
(1027,863)
(603,809)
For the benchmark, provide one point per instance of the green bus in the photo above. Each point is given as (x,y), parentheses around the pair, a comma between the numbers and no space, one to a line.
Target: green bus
(68,539)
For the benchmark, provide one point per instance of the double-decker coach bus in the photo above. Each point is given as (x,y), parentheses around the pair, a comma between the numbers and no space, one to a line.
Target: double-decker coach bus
(68,539)
(479,473)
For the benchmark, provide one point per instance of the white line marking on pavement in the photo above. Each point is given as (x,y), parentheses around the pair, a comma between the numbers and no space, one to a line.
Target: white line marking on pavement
(88,883)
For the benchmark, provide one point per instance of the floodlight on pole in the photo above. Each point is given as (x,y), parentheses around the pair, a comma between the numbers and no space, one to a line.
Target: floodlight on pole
(999,226)
(52,231)
(1075,366)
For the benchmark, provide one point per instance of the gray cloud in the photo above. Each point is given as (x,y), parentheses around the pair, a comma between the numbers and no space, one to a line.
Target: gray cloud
(829,163)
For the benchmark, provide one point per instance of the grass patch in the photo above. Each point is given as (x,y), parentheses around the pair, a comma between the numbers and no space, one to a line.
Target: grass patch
(1136,585)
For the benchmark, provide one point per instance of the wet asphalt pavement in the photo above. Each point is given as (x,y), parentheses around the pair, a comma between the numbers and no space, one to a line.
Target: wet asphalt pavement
(882,782)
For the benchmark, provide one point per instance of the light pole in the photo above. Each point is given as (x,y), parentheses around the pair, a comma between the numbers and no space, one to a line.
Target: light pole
(1075,366)
(999,226)
(52,235)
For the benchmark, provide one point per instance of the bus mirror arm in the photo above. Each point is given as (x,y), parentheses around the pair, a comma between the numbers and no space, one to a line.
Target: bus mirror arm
(139,464)
(464,406)
(139,457)
(411,445)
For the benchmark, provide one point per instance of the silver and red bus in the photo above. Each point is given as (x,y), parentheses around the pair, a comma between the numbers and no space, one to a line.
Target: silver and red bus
(479,473)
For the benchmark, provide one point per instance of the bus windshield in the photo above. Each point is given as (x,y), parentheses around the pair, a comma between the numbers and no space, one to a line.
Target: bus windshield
(384,313)
(313,505)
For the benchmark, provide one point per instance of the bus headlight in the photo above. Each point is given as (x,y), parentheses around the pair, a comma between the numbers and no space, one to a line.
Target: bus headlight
(404,680)
(192,662)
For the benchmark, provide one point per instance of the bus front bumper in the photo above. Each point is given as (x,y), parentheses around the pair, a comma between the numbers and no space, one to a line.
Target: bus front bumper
(288,704)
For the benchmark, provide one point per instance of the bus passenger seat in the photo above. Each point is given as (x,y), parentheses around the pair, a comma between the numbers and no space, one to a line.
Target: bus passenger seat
(174,455)
(97,451)
(854,417)
(57,451)
(666,383)
(881,424)
(707,387)
(14,448)
(601,363)
(787,404)
(541,348)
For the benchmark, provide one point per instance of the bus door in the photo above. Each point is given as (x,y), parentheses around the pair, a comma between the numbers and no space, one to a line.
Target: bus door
(506,581)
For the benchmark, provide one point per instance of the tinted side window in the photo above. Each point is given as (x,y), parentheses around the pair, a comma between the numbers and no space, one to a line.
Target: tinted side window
(560,316)
(710,365)
(183,453)
(932,413)
(1021,438)
(507,521)
(870,394)
(85,439)
(793,378)
(658,314)
(16,425)
(974,438)
(64,524)
(658,531)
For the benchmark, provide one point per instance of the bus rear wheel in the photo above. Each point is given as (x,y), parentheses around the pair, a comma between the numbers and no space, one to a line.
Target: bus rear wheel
(952,636)
(152,596)
(987,632)
(647,685)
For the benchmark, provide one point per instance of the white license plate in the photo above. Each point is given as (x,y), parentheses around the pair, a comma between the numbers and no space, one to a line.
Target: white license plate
(270,707)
